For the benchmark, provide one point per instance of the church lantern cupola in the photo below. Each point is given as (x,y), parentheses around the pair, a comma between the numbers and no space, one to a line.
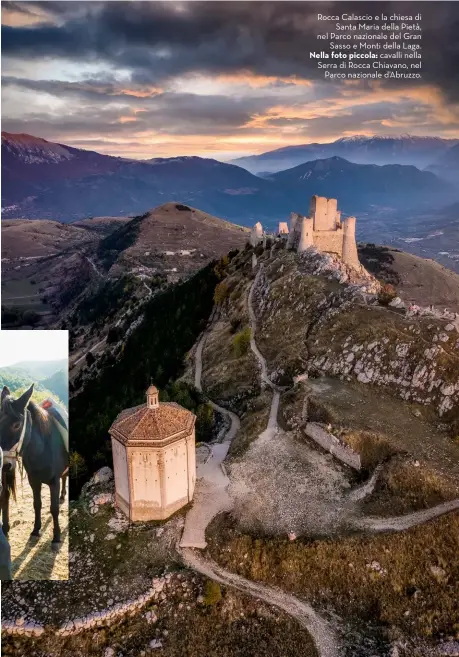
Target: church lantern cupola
(152,397)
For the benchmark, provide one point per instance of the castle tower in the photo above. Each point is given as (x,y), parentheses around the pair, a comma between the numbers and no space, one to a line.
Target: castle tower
(283,228)
(350,256)
(154,462)
(256,236)
(294,216)
(307,234)
(323,211)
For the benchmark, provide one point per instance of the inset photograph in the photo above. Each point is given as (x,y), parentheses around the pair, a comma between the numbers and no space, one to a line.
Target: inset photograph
(34,450)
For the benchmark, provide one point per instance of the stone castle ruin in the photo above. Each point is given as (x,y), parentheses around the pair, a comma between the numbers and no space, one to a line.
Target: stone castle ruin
(322,229)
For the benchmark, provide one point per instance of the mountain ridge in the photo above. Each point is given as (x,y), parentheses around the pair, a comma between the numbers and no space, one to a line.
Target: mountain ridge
(69,184)
(360,149)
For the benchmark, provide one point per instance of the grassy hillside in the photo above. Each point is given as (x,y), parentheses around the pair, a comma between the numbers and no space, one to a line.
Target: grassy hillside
(18,379)
(58,383)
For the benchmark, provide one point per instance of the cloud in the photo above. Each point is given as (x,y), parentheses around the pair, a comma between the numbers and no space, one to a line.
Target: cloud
(161,39)
(234,71)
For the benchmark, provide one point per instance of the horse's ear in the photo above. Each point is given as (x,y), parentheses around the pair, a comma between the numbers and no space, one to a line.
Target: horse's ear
(5,392)
(20,404)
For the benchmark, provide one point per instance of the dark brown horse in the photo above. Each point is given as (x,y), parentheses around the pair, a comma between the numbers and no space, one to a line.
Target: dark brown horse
(29,431)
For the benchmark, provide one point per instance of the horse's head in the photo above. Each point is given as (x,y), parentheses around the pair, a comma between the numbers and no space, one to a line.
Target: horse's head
(12,417)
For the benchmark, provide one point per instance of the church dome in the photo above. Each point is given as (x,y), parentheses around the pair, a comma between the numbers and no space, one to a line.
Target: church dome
(151,425)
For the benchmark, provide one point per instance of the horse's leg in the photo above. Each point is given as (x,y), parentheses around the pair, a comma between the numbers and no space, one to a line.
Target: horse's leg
(54,492)
(5,559)
(64,482)
(6,500)
(36,488)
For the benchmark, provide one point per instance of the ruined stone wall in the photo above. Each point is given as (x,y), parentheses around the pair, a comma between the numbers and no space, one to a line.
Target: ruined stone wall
(330,241)
(256,234)
(324,212)
(283,228)
(331,443)
(292,236)
(350,255)
(107,617)
(306,234)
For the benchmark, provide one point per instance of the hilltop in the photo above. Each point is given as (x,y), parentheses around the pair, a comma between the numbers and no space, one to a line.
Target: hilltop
(170,238)
(418,281)
(51,268)
(50,378)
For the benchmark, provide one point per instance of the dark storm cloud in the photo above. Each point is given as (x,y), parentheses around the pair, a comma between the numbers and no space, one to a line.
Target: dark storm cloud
(172,113)
(158,40)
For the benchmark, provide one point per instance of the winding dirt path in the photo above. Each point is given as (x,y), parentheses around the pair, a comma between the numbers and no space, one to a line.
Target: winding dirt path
(94,266)
(211,493)
(366,489)
(88,352)
(211,498)
(400,523)
(325,638)
(253,329)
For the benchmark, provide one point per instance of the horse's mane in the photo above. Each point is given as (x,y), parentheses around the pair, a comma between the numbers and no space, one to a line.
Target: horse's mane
(40,417)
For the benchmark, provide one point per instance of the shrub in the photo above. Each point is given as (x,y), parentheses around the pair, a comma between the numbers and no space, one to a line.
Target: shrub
(387,294)
(77,465)
(241,342)
(114,334)
(221,292)
(204,422)
(213,592)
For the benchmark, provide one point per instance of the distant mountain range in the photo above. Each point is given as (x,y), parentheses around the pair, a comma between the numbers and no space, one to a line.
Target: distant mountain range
(361,186)
(41,369)
(45,180)
(416,151)
(447,164)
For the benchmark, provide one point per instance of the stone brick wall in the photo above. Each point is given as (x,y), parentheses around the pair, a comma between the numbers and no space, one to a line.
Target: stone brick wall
(329,241)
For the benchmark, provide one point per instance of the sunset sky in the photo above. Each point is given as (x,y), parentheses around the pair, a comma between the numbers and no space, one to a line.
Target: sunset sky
(216,79)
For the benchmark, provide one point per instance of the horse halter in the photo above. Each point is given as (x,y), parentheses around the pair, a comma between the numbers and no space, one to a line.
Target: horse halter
(13,453)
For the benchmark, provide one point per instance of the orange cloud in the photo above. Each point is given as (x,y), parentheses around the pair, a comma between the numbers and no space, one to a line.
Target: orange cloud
(257,81)
(146,92)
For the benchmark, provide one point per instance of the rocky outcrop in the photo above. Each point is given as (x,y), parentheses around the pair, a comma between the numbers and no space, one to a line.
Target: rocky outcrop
(331,266)
(416,369)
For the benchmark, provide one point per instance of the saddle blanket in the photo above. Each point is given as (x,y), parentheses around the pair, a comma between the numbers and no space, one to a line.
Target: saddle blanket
(60,417)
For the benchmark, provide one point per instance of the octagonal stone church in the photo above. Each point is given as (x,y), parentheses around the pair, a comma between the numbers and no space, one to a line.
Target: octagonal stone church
(154,459)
